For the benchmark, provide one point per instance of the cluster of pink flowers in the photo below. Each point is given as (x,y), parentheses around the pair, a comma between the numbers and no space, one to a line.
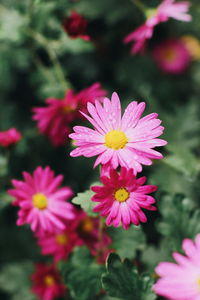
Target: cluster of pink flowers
(166,10)
(125,142)
(55,119)
(58,226)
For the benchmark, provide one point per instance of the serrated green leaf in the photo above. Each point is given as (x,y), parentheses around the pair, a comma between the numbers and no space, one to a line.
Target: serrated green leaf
(82,275)
(123,281)
(84,200)
(127,242)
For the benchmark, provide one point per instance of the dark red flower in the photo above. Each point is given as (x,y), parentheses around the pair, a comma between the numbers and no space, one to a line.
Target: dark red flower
(75,25)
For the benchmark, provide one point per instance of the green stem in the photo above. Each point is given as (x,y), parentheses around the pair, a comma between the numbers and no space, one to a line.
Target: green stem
(100,236)
(140,5)
(52,56)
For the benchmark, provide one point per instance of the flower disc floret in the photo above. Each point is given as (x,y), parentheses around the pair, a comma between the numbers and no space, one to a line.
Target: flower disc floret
(40,201)
(121,194)
(116,139)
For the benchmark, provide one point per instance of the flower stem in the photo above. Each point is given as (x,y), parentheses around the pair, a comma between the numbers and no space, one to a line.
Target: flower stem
(140,5)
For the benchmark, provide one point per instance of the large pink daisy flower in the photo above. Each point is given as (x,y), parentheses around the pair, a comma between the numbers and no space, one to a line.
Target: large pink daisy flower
(42,203)
(167,9)
(54,120)
(122,197)
(172,56)
(59,244)
(181,280)
(46,282)
(9,137)
(126,141)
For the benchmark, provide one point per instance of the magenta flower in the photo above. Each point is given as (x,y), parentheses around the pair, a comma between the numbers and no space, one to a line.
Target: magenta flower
(87,229)
(54,120)
(122,197)
(42,204)
(172,56)
(9,137)
(167,9)
(181,280)
(46,282)
(59,244)
(75,25)
(126,141)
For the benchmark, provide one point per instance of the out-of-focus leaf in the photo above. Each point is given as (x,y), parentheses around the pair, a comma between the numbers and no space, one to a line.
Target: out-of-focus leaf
(123,281)
(127,242)
(82,275)
(84,200)
(3,165)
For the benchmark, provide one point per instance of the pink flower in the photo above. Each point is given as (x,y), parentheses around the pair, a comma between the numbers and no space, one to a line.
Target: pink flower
(181,280)
(167,9)
(59,244)
(172,56)
(9,137)
(126,141)
(47,283)
(55,119)
(75,25)
(121,198)
(87,229)
(42,204)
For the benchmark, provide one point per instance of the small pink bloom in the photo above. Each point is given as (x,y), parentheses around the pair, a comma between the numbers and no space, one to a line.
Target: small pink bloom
(167,9)
(181,280)
(87,229)
(126,141)
(172,56)
(122,197)
(46,282)
(59,244)
(9,137)
(55,119)
(42,204)
(75,25)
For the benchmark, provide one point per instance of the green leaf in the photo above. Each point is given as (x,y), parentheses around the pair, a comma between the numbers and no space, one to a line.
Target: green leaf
(84,200)
(82,275)
(123,281)
(14,279)
(127,242)
(180,218)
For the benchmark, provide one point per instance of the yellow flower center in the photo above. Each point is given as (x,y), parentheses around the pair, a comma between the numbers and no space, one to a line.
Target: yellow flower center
(198,282)
(49,280)
(68,108)
(193,46)
(62,239)
(169,55)
(116,139)
(87,225)
(121,194)
(40,201)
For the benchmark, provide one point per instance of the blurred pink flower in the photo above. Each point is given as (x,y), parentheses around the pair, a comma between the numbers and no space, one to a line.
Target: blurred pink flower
(122,197)
(42,204)
(75,25)
(126,141)
(9,137)
(87,229)
(46,282)
(180,280)
(167,9)
(172,56)
(55,119)
(59,244)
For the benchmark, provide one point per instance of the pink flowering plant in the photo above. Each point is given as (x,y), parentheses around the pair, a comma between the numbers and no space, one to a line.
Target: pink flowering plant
(99,150)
